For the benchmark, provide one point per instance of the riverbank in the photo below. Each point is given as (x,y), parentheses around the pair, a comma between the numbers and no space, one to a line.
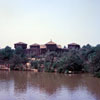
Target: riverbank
(86,59)
(5,68)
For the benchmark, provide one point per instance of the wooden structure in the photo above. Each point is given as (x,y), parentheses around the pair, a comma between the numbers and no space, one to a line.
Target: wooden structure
(34,50)
(51,46)
(74,46)
(20,44)
(37,49)
(43,49)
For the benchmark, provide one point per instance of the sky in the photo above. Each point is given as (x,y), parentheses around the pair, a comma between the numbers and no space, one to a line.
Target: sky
(39,21)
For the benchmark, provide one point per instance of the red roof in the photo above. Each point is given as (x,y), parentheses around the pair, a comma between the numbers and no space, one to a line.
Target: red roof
(35,44)
(43,46)
(51,42)
(20,43)
(59,46)
(73,44)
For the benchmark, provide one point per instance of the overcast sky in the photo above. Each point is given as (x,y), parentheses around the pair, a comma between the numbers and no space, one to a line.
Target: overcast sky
(38,21)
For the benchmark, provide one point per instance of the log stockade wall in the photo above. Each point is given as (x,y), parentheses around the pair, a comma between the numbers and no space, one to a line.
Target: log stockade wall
(37,49)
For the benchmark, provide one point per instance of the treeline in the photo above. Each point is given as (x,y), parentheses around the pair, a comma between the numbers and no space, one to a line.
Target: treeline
(87,59)
(15,58)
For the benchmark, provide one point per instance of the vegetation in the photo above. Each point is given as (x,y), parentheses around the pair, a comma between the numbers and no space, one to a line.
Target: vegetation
(16,58)
(87,59)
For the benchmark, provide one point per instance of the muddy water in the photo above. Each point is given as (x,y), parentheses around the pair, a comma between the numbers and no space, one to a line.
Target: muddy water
(48,86)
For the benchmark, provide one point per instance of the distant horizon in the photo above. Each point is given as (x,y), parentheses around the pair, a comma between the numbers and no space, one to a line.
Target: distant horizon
(39,21)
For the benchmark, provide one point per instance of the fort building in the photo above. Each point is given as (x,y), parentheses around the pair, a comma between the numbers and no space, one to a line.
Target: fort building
(37,49)
(20,44)
(74,46)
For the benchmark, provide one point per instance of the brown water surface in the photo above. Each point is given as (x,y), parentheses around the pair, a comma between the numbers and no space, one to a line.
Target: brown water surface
(48,86)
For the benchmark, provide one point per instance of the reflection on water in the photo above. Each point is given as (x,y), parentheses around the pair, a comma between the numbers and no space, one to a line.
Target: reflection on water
(48,86)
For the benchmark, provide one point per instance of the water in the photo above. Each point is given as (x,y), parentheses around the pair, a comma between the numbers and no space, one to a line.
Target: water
(48,86)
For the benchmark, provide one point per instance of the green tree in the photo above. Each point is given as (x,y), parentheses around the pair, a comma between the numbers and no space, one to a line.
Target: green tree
(95,59)
(20,51)
(6,53)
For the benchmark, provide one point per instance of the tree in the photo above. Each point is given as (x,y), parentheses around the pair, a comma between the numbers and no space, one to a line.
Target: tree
(49,61)
(20,51)
(6,53)
(19,58)
(95,59)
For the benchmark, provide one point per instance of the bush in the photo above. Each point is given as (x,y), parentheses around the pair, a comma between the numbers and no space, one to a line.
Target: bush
(97,74)
(34,64)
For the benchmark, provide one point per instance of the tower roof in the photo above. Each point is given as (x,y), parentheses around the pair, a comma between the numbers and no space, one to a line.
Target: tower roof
(43,46)
(73,44)
(59,46)
(20,43)
(35,44)
(51,42)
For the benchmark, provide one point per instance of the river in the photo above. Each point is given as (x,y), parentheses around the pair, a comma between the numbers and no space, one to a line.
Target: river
(16,85)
